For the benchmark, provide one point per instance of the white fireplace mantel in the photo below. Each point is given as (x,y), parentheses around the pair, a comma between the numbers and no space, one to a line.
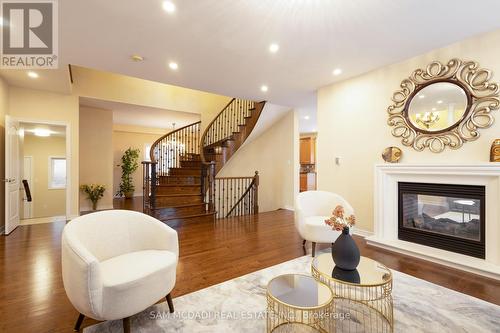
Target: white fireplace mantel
(385,234)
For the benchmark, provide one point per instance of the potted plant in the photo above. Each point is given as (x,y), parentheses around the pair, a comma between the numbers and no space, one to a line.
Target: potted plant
(345,252)
(130,163)
(94,193)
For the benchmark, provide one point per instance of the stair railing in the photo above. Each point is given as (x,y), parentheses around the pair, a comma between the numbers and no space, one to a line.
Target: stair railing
(222,127)
(170,149)
(149,187)
(236,196)
(167,152)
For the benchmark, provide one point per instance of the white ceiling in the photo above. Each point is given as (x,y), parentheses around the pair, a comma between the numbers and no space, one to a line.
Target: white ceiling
(221,46)
(137,115)
(54,80)
(55,130)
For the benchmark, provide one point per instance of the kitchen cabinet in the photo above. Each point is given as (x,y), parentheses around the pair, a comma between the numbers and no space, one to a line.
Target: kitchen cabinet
(308,150)
(303,182)
(307,181)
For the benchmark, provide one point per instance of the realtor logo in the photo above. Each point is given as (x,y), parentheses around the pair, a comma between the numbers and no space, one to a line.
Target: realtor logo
(29,34)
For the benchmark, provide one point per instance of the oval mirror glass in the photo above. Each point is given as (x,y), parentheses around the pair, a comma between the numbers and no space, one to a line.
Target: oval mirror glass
(437,107)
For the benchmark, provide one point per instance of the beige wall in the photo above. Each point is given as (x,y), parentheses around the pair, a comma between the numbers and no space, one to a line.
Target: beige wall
(275,155)
(96,154)
(135,138)
(352,124)
(39,107)
(126,89)
(3,111)
(46,202)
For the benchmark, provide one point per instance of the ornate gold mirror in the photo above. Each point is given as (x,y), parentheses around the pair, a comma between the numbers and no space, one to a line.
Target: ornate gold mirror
(443,105)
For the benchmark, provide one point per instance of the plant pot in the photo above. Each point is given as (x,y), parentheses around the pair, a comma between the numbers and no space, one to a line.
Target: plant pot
(129,195)
(345,252)
(94,205)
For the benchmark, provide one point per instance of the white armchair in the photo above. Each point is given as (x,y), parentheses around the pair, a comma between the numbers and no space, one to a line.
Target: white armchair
(312,209)
(117,263)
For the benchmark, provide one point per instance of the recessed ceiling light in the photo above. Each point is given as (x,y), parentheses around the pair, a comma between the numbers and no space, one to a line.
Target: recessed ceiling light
(337,71)
(433,109)
(173,66)
(41,132)
(168,6)
(421,96)
(137,58)
(273,48)
(439,102)
(307,117)
(264,88)
(33,75)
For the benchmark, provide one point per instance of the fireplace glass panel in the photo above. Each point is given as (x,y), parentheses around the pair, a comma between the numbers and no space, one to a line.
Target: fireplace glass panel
(452,216)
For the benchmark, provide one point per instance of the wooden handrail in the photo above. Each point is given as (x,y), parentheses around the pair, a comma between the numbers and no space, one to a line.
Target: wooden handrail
(235,177)
(253,185)
(151,152)
(202,141)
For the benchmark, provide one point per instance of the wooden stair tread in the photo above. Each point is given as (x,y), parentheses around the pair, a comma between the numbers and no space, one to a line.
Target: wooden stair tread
(189,168)
(188,216)
(181,206)
(178,185)
(177,195)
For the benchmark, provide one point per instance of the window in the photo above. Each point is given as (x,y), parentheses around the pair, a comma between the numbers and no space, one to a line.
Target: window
(57,172)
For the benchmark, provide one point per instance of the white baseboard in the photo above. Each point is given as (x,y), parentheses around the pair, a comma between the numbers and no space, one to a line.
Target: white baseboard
(362,232)
(135,195)
(289,208)
(89,208)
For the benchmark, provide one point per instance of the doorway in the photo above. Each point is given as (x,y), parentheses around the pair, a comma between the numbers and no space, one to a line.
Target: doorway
(43,148)
(36,175)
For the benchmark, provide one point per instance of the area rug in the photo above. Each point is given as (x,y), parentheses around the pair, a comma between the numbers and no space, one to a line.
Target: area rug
(239,305)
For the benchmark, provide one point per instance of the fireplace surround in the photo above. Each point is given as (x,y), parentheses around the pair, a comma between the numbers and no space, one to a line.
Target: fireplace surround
(386,212)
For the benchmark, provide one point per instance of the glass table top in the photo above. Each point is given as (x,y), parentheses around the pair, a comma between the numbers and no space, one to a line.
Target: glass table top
(298,290)
(368,273)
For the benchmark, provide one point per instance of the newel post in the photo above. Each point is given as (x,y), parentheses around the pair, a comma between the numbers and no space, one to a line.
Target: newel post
(145,187)
(211,185)
(154,182)
(256,196)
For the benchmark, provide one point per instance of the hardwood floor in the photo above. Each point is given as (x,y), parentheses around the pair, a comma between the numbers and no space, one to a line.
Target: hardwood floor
(33,297)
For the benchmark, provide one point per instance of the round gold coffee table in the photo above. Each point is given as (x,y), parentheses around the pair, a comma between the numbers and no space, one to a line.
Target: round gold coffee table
(297,303)
(365,293)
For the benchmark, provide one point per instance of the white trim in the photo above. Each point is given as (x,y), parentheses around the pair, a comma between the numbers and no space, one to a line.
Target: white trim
(386,211)
(288,207)
(362,232)
(89,208)
(450,259)
(67,126)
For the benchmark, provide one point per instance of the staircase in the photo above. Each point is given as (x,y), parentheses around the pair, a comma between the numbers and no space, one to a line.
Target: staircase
(222,138)
(173,178)
(180,178)
(227,132)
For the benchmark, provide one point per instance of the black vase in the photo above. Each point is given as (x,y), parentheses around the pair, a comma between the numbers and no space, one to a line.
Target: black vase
(345,252)
(347,276)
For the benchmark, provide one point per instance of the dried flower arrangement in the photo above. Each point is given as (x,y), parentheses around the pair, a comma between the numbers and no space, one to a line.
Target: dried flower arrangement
(338,221)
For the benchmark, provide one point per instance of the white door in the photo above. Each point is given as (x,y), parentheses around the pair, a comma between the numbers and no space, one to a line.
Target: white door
(27,172)
(12,179)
